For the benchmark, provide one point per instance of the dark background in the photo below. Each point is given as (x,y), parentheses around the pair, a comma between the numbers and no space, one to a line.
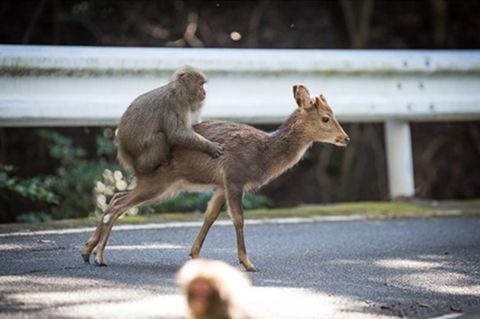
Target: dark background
(446,154)
(448,24)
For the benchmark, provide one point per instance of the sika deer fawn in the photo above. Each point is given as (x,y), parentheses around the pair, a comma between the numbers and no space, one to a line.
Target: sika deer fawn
(251,159)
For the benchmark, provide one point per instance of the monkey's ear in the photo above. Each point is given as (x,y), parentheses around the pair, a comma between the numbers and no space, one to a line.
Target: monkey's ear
(182,76)
(302,96)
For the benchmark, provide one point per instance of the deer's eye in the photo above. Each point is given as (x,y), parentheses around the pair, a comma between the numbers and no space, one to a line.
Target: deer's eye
(325,119)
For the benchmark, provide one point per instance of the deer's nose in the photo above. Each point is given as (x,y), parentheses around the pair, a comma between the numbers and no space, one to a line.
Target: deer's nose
(347,139)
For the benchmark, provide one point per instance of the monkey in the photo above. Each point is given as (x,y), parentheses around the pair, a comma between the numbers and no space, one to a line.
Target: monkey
(214,290)
(162,118)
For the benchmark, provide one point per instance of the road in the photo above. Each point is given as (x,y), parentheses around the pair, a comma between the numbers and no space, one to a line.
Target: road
(359,269)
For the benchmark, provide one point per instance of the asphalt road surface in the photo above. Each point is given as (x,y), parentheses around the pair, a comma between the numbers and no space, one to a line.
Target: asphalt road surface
(357,269)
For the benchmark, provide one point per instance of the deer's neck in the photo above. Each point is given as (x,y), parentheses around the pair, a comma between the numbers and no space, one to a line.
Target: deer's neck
(286,146)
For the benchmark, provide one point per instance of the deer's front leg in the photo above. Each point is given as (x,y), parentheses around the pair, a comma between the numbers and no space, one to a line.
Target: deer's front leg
(234,200)
(213,210)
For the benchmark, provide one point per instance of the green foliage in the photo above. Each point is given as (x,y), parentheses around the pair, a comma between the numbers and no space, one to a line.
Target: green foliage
(26,194)
(32,188)
(76,174)
(255,201)
(34,217)
(105,144)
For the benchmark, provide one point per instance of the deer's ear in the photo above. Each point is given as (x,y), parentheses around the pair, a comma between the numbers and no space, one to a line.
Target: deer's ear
(323,99)
(302,96)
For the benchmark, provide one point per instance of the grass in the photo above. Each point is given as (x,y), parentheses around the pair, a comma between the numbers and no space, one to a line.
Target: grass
(371,210)
(386,209)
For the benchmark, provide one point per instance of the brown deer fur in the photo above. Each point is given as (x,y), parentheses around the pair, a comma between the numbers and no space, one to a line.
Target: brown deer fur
(251,159)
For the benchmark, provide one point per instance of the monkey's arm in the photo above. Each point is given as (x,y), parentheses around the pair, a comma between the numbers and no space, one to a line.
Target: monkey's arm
(189,139)
(182,135)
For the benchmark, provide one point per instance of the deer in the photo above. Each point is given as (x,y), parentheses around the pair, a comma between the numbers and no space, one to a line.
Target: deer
(251,159)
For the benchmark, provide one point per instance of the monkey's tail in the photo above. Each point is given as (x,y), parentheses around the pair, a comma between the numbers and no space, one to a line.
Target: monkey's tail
(125,159)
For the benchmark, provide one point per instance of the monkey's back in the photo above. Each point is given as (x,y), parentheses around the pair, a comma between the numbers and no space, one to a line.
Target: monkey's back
(139,114)
(139,122)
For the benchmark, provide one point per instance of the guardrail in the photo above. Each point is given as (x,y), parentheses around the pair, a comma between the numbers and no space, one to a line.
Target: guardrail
(79,86)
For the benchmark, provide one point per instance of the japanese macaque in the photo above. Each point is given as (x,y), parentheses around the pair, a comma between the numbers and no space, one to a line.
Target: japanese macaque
(214,290)
(162,118)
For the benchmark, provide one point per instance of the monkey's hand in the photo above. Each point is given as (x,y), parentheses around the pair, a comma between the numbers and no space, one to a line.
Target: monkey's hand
(216,149)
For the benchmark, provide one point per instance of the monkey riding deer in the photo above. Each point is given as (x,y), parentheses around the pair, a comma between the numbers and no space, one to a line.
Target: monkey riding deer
(251,159)
(162,118)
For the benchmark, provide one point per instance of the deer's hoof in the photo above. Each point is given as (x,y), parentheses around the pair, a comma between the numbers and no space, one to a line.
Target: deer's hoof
(194,255)
(251,269)
(86,256)
(100,262)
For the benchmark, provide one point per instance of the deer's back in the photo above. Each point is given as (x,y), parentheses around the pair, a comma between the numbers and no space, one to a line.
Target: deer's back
(242,159)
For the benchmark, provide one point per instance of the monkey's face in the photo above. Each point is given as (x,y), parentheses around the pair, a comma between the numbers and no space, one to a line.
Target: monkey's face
(202,296)
(201,90)
(192,81)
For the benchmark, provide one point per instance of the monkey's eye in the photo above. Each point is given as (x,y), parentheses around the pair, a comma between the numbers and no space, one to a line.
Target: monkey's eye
(325,119)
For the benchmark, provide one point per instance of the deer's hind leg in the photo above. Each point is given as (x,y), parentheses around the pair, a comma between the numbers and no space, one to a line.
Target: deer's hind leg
(95,237)
(117,206)
(140,196)
(109,219)
(213,210)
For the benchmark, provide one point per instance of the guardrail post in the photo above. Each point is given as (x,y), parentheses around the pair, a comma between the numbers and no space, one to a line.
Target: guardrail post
(399,159)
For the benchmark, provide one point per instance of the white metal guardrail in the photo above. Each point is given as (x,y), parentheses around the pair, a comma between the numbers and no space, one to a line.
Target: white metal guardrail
(78,86)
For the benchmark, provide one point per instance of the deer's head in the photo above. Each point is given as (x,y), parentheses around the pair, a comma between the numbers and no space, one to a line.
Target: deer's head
(317,118)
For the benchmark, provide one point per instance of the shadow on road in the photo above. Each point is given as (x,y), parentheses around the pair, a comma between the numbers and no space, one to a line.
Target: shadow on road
(354,270)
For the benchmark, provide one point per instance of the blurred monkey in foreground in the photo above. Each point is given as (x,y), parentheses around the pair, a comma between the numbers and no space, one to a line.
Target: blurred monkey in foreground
(162,118)
(214,290)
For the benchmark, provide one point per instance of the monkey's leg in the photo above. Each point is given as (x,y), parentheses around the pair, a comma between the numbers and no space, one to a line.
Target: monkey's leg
(155,154)
(213,210)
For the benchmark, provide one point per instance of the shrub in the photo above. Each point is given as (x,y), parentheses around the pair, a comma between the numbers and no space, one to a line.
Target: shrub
(25,194)
(75,175)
